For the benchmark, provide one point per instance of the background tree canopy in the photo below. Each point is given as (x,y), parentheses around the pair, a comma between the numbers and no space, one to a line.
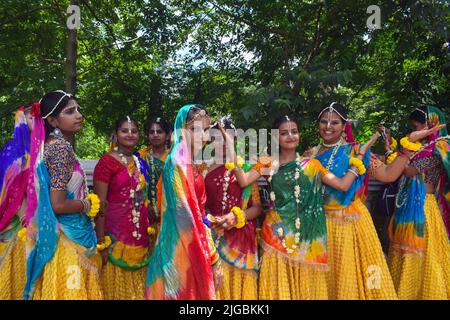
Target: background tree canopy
(251,59)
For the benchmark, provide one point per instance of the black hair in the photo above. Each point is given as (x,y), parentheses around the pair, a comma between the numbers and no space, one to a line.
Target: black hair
(193,111)
(227,123)
(122,120)
(419,115)
(282,119)
(339,108)
(159,121)
(49,101)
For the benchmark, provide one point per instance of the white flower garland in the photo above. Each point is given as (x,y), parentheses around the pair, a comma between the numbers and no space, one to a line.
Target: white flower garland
(153,183)
(135,209)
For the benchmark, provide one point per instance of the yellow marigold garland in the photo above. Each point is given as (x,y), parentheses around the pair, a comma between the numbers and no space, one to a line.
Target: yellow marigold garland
(22,234)
(358,164)
(102,246)
(393,145)
(391,158)
(95,205)
(240,217)
(411,146)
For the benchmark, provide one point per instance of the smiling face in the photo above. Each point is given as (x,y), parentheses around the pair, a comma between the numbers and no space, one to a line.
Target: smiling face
(69,120)
(289,136)
(331,127)
(156,135)
(127,135)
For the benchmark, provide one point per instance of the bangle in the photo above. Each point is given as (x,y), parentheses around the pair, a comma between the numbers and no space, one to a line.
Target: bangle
(105,244)
(86,205)
(388,153)
(94,205)
(353,171)
(359,164)
(408,145)
(240,217)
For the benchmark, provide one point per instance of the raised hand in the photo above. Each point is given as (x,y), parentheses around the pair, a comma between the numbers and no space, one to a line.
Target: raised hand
(368,144)
(422,134)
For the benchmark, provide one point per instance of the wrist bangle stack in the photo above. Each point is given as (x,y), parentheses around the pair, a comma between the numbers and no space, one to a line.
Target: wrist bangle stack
(86,206)
(353,171)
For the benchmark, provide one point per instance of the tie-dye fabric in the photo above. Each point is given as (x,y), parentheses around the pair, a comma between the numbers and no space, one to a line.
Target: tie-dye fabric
(180,267)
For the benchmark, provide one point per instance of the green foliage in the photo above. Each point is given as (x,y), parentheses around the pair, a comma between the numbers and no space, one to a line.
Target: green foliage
(251,59)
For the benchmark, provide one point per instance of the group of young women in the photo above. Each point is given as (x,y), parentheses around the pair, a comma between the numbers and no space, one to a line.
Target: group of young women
(160,226)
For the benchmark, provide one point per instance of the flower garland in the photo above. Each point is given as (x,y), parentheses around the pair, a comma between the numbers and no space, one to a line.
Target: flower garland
(133,192)
(412,146)
(153,183)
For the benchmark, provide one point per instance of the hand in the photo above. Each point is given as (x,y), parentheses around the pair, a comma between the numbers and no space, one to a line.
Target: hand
(218,275)
(227,221)
(422,134)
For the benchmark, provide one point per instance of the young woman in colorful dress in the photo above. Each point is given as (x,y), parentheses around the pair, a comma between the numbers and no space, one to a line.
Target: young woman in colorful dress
(120,180)
(155,155)
(294,234)
(236,243)
(14,173)
(61,240)
(184,263)
(358,269)
(419,254)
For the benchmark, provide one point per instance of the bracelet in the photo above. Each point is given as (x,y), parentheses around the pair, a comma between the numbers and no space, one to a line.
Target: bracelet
(359,164)
(411,146)
(388,153)
(353,171)
(94,205)
(86,206)
(240,217)
(103,245)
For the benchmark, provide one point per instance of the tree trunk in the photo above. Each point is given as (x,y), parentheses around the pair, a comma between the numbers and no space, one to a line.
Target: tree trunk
(71,61)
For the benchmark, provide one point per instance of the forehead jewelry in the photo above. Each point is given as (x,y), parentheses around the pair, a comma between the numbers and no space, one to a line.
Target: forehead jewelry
(65,94)
(158,120)
(425,113)
(331,109)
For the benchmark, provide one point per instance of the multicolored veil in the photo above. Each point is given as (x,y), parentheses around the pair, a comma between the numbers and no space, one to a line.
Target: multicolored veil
(180,267)
(14,170)
(41,221)
(406,229)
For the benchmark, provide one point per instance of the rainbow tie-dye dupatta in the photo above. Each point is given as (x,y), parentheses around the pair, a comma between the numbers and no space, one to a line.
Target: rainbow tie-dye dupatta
(40,219)
(180,267)
(406,229)
(14,170)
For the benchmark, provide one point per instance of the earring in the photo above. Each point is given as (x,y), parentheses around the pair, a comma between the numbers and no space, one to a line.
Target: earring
(344,135)
(57,132)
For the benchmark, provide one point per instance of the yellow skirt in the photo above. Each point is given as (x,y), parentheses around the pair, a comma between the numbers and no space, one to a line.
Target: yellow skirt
(121,284)
(70,275)
(283,279)
(13,270)
(238,284)
(358,268)
(425,277)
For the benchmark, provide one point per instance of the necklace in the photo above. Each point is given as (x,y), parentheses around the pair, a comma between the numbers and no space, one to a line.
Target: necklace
(339,142)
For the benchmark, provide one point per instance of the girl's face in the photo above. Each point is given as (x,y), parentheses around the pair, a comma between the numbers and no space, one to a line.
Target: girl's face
(417,126)
(197,132)
(289,135)
(127,135)
(156,135)
(69,120)
(331,127)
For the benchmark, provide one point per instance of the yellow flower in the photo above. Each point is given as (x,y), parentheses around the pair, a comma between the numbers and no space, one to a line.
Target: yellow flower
(107,241)
(22,234)
(411,146)
(151,231)
(230,166)
(391,158)
(95,205)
